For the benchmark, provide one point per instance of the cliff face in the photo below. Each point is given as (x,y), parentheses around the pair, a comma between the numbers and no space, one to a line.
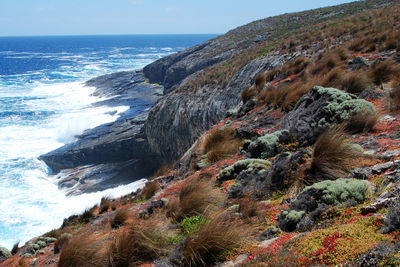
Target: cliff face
(199,84)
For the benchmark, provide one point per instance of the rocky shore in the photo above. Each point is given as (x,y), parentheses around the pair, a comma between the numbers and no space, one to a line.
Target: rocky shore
(286,138)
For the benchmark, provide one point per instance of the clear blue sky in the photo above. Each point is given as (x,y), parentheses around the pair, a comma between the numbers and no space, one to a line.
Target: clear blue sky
(73,17)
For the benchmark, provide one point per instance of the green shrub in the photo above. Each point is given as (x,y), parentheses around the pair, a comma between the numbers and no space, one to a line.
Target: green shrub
(341,190)
(343,105)
(266,146)
(190,224)
(248,165)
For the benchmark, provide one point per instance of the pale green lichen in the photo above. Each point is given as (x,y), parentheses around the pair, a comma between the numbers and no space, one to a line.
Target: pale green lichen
(248,165)
(5,252)
(268,144)
(293,216)
(341,190)
(231,112)
(341,106)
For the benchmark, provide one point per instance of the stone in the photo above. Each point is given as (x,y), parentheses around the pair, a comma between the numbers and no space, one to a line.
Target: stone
(318,109)
(4,254)
(361,173)
(380,168)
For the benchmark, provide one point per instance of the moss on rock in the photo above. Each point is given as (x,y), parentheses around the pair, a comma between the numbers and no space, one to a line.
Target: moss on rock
(341,190)
(248,165)
(266,146)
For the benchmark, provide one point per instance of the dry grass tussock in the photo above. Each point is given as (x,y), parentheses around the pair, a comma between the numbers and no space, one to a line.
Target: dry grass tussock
(82,251)
(163,170)
(219,234)
(105,204)
(197,197)
(383,72)
(61,242)
(333,156)
(119,219)
(150,189)
(394,96)
(220,143)
(355,82)
(141,241)
(361,122)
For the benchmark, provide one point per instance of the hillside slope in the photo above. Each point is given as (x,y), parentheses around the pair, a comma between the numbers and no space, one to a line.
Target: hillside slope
(303,172)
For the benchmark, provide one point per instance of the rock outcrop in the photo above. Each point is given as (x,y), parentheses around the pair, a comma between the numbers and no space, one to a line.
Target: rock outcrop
(114,153)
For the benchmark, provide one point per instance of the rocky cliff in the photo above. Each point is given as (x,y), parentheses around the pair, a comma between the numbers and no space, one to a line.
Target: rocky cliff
(199,85)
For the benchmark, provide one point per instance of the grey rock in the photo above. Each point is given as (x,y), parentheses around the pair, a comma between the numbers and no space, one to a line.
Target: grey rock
(115,153)
(361,173)
(380,168)
(179,118)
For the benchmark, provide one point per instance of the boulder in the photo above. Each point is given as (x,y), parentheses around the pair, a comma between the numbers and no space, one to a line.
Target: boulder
(318,109)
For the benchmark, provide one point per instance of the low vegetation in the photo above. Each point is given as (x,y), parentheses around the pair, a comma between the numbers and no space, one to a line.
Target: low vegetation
(333,155)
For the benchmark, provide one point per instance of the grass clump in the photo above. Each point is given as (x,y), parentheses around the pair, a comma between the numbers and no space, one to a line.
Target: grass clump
(119,219)
(355,82)
(333,156)
(61,242)
(82,251)
(220,143)
(361,122)
(197,197)
(143,241)
(394,96)
(218,235)
(105,204)
(149,190)
(382,72)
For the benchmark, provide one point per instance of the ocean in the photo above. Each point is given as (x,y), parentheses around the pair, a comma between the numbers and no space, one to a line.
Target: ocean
(44,105)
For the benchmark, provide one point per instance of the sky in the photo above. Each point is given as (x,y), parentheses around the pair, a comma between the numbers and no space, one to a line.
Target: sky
(87,17)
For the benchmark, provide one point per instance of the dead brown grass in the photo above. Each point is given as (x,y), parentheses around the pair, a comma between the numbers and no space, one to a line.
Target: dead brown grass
(394,96)
(15,248)
(197,197)
(220,143)
(333,156)
(142,241)
(61,242)
(248,93)
(163,170)
(334,78)
(150,189)
(248,207)
(218,235)
(382,72)
(260,81)
(119,219)
(355,82)
(82,251)
(273,74)
(361,122)
(105,204)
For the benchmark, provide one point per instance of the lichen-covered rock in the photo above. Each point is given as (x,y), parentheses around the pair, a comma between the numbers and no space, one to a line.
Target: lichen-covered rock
(267,146)
(392,220)
(318,109)
(278,177)
(315,199)
(4,254)
(246,165)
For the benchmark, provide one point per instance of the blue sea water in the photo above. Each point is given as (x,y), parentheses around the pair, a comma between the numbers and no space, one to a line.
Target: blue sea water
(43,105)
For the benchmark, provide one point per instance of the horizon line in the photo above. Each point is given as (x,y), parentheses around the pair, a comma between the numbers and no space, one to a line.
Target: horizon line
(108,34)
